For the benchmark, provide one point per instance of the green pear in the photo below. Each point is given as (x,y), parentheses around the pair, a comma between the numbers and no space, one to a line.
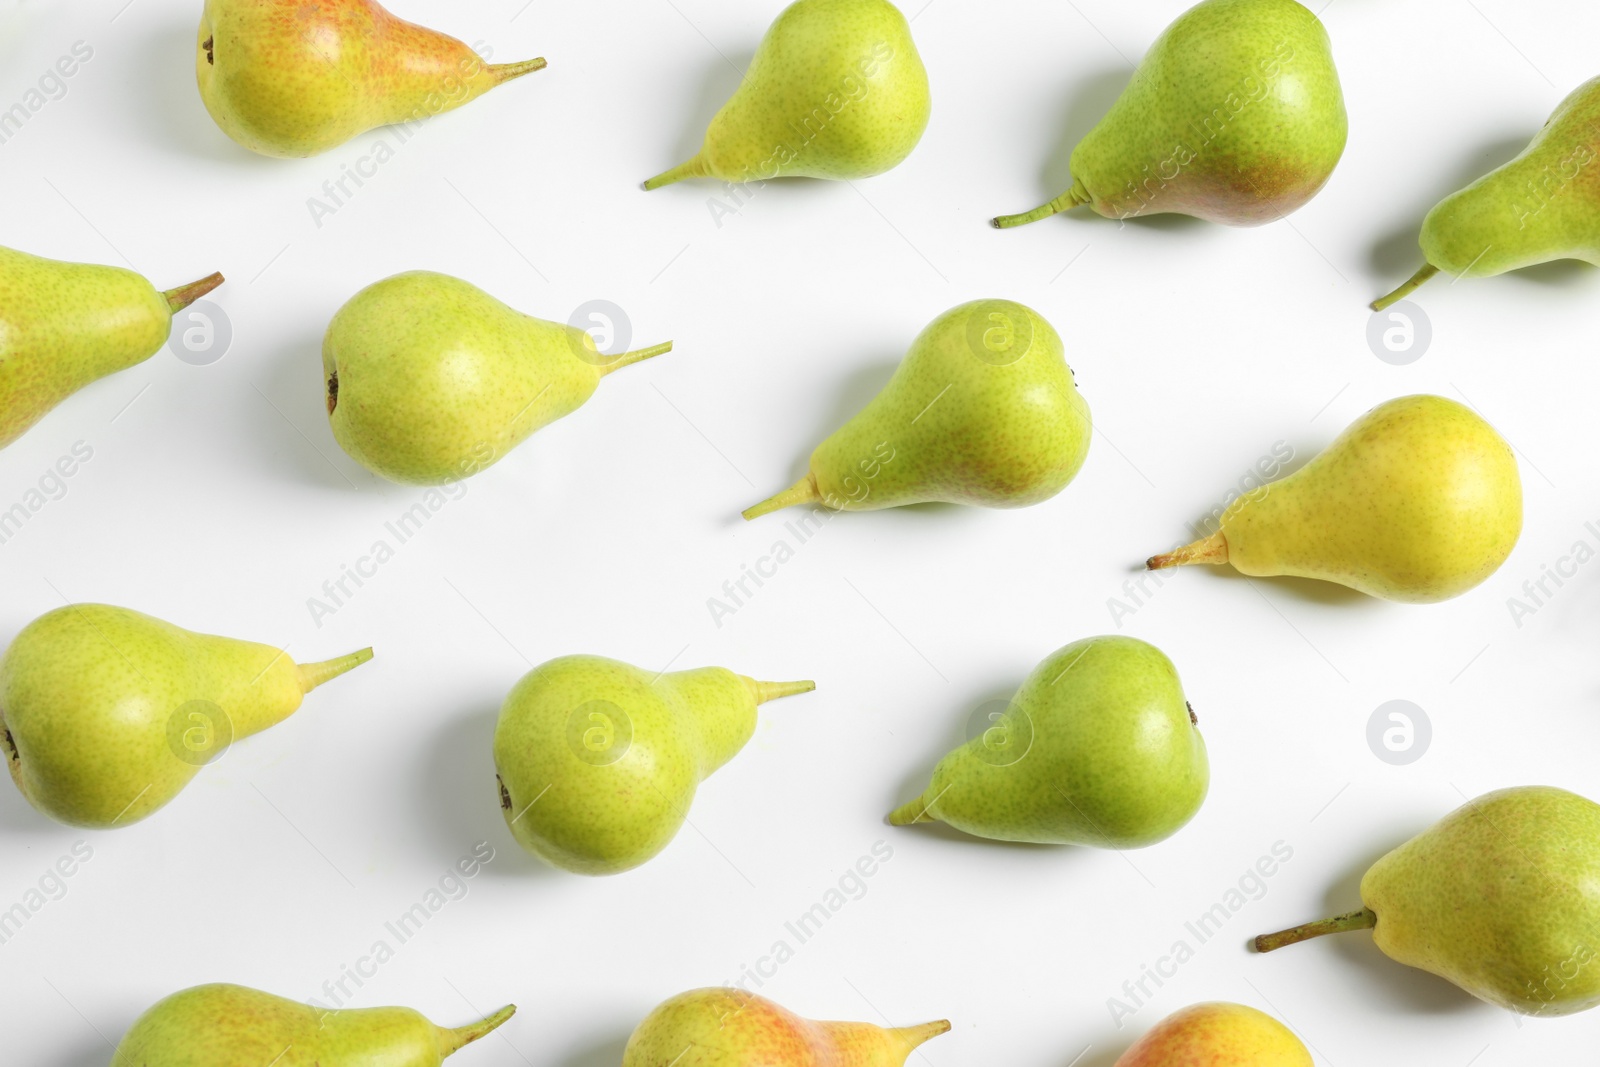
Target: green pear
(1218,1035)
(598,761)
(231,1026)
(64,325)
(294,77)
(733,1028)
(983,410)
(430,379)
(835,90)
(1098,747)
(1501,897)
(1417,501)
(1538,208)
(107,714)
(1235,115)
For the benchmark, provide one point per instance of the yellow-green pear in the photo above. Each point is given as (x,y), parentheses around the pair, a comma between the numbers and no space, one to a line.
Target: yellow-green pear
(1217,1035)
(64,325)
(430,379)
(231,1026)
(598,761)
(835,90)
(298,77)
(1418,501)
(983,410)
(107,713)
(1501,897)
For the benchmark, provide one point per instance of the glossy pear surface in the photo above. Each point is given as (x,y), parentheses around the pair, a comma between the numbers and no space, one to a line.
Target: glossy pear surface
(64,325)
(1418,501)
(1235,115)
(1217,1035)
(835,90)
(1098,748)
(298,77)
(107,713)
(1542,206)
(1501,897)
(983,410)
(430,379)
(598,761)
(231,1026)
(732,1028)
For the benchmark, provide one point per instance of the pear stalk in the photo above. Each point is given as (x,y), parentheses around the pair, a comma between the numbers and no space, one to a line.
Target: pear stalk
(765,691)
(694,168)
(913,1036)
(638,355)
(1407,289)
(1074,197)
(1365,919)
(315,674)
(802,492)
(452,1041)
(504,72)
(181,297)
(1213,550)
(914,812)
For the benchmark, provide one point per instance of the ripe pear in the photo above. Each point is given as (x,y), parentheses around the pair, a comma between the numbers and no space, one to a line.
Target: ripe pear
(598,761)
(230,1026)
(1538,208)
(1098,747)
(107,714)
(983,410)
(64,325)
(298,77)
(430,379)
(1235,115)
(1217,1035)
(1501,897)
(835,90)
(1417,501)
(732,1028)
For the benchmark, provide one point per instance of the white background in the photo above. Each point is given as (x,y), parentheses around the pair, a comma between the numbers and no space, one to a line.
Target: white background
(219,500)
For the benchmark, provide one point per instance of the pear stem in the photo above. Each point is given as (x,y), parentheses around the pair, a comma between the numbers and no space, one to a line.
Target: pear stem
(1407,289)
(1364,919)
(695,168)
(1068,200)
(315,674)
(1213,549)
(765,691)
(504,72)
(181,297)
(802,492)
(638,355)
(906,814)
(452,1041)
(916,1035)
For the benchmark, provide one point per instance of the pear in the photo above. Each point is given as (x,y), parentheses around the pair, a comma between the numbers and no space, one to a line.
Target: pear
(430,379)
(107,714)
(298,77)
(230,1026)
(983,410)
(64,325)
(1217,1035)
(1098,747)
(598,761)
(1235,115)
(1501,897)
(733,1028)
(1417,501)
(1537,208)
(835,90)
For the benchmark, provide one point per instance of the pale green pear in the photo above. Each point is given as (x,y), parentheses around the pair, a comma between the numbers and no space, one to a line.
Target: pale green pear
(733,1028)
(107,714)
(1098,747)
(983,410)
(1234,115)
(1501,897)
(430,379)
(835,90)
(231,1026)
(295,77)
(1418,501)
(1540,207)
(599,761)
(64,325)
(1217,1035)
